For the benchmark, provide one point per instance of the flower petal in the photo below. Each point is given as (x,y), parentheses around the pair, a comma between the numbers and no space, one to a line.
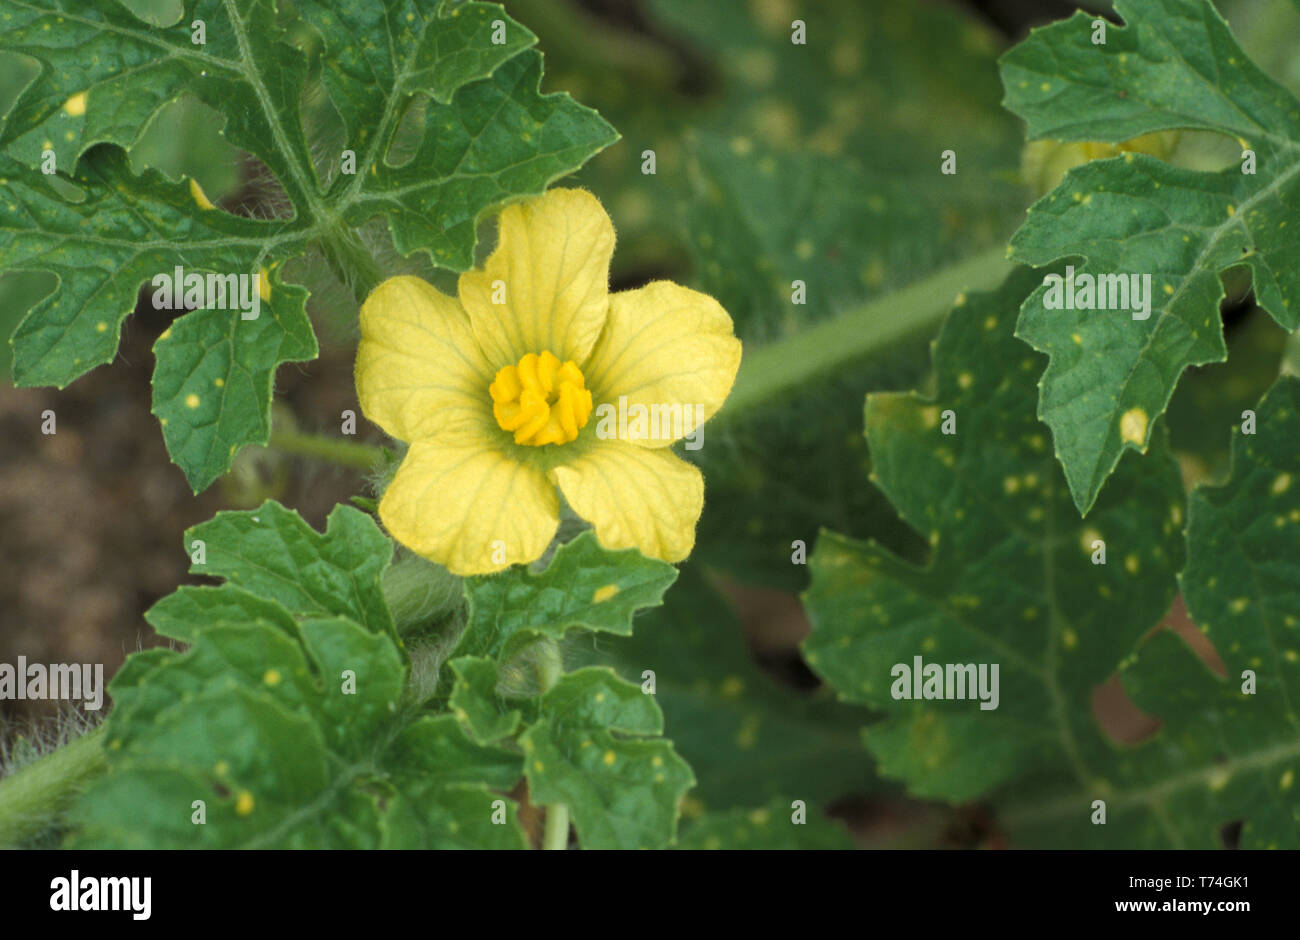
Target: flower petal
(552,259)
(664,346)
(635,498)
(469,507)
(419,370)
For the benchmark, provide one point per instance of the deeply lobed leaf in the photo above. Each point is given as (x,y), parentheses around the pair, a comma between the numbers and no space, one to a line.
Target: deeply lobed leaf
(489,136)
(1173,65)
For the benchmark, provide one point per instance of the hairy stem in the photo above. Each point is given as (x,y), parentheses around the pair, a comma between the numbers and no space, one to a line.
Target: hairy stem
(335,450)
(550,667)
(786,365)
(351,262)
(32,798)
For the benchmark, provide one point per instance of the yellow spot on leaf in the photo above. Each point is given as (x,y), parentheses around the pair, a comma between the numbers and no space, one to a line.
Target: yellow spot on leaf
(603,594)
(1133,426)
(191,400)
(200,196)
(271,677)
(244,804)
(609,758)
(1281,484)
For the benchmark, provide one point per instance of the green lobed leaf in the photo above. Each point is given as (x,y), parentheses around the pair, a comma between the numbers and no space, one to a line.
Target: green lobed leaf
(430,53)
(623,791)
(128,69)
(125,230)
(1227,752)
(272,552)
(476,703)
(293,725)
(262,728)
(213,381)
(1173,65)
(447,791)
(490,137)
(181,614)
(583,586)
(228,723)
(1010,580)
(1242,587)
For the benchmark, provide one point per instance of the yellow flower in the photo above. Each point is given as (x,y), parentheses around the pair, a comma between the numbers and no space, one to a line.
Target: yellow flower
(511,390)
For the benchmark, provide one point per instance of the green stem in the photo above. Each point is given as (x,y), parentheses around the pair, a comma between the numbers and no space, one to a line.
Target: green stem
(32,798)
(786,365)
(550,667)
(345,453)
(556,836)
(351,261)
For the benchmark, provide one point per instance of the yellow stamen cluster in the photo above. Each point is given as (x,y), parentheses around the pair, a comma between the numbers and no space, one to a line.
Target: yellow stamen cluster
(540,400)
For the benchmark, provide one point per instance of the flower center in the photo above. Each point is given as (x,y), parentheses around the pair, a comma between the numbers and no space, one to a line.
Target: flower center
(540,400)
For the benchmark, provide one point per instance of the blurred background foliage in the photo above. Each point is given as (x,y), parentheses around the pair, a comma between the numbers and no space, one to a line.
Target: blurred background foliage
(773,163)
